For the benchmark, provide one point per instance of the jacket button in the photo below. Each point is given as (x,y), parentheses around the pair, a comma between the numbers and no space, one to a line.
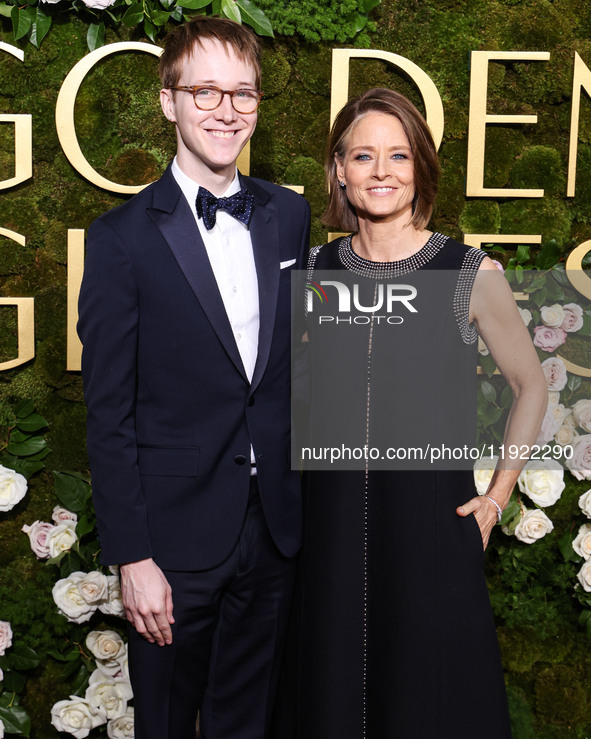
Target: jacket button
(240,459)
(250,401)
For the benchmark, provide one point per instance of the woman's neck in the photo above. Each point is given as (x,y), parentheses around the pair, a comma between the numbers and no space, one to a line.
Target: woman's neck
(388,242)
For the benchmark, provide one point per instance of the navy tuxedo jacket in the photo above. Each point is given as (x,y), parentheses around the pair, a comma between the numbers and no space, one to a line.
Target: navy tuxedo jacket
(171,413)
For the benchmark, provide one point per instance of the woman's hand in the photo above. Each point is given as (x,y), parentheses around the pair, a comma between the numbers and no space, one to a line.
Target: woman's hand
(485,513)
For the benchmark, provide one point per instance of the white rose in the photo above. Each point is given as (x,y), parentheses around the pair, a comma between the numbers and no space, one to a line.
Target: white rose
(582,541)
(542,481)
(109,693)
(525,315)
(585,503)
(93,587)
(13,488)
(1,729)
(122,727)
(62,538)
(5,637)
(1,675)
(566,435)
(76,716)
(61,515)
(552,315)
(573,318)
(584,576)
(69,599)
(105,645)
(98,4)
(38,533)
(582,414)
(483,472)
(534,524)
(112,605)
(580,463)
(569,419)
(555,371)
(553,397)
(551,422)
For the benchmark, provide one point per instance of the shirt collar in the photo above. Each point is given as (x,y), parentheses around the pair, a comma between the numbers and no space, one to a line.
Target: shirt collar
(190,188)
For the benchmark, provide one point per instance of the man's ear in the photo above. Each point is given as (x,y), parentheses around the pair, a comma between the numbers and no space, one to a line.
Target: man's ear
(167,103)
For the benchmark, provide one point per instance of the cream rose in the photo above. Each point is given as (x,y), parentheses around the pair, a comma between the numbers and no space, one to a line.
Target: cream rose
(552,315)
(525,315)
(77,716)
(112,604)
(38,533)
(483,472)
(105,645)
(582,414)
(573,318)
(542,481)
(5,636)
(533,525)
(93,587)
(69,599)
(555,371)
(109,693)
(582,541)
(13,488)
(122,727)
(62,538)
(584,576)
(566,435)
(580,463)
(585,503)
(61,515)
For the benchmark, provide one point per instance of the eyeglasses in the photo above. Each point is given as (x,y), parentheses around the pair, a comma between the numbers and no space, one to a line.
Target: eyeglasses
(210,98)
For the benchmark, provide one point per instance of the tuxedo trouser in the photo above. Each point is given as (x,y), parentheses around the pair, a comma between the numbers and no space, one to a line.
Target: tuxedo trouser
(227,643)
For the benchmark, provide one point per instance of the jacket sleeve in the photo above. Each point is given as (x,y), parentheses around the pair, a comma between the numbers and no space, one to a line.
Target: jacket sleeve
(108,329)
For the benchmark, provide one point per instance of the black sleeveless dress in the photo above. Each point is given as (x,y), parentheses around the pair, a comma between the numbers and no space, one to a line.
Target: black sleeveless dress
(395,635)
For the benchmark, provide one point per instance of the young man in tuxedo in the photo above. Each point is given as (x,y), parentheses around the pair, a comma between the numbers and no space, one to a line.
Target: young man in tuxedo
(185,321)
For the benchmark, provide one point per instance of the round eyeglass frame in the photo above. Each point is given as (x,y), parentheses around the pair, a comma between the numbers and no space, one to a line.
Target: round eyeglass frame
(194,88)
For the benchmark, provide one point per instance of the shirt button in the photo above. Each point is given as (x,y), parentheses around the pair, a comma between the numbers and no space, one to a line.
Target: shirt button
(238,336)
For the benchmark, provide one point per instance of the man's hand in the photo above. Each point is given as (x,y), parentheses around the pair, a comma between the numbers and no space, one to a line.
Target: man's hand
(147,598)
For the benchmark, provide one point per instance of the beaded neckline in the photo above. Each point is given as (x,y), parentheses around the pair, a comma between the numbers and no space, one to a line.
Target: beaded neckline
(386,270)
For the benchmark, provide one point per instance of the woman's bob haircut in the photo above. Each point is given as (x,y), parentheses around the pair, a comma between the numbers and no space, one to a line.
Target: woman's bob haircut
(339,212)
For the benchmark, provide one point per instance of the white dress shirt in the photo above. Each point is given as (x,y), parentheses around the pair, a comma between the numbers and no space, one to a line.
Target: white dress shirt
(229,248)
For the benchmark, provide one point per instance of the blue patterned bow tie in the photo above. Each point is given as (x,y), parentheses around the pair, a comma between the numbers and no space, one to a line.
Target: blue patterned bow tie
(238,205)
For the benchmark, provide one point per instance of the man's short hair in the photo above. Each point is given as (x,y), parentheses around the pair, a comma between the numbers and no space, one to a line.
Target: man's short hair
(339,211)
(180,43)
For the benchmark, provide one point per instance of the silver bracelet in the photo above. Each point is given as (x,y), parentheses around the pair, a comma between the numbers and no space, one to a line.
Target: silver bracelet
(497,506)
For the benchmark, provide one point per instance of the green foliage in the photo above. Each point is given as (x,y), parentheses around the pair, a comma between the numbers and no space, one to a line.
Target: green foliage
(481,216)
(335,20)
(33,20)
(539,167)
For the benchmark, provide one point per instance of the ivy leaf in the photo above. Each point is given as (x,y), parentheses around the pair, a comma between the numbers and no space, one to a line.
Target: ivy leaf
(159,17)
(565,544)
(231,10)
(133,15)
(150,30)
(24,408)
(194,4)
(15,720)
(21,22)
(84,526)
(72,492)
(574,382)
(522,253)
(488,391)
(23,658)
(26,448)
(32,423)
(177,14)
(81,681)
(507,397)
(14,682)
(255,18)
(549,254)
(216,7)
(95,38)
(488,364)
(40,27)
(6,10)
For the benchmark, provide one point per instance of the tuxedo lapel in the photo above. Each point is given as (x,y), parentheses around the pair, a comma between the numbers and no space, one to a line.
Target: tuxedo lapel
(172,215)
(264,233)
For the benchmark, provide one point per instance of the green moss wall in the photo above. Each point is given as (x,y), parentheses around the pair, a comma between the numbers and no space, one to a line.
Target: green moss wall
(125,137)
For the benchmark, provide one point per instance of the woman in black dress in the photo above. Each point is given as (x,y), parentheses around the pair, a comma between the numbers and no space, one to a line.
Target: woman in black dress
(396,636)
